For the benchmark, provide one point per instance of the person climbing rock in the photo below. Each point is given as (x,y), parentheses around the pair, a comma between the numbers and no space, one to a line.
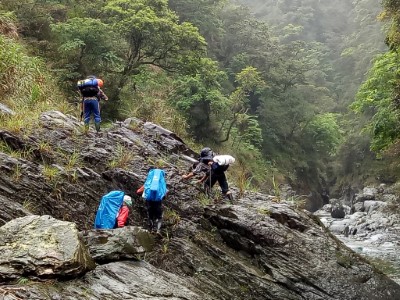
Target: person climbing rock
(154,191)
(123,213)
(216,173)
(90,89)
(113,210)
(200,167)
(196,169)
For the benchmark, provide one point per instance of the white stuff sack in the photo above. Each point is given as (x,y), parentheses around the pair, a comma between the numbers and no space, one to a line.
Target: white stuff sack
(224,160)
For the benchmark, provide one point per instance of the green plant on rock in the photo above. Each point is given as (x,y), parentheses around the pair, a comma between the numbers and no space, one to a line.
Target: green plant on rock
(160,163)
(299,201)
(15,124)
(17,173)
(73,160)
(51,173)
(344,260)
(264,211)
(171,217)
(30,205)
(73,176)
(384,266)
(6,148)
(243,180)
(135,127)
(204,199)
(122,158)
(44,149)
(23,281)
(165,244)
(277,190)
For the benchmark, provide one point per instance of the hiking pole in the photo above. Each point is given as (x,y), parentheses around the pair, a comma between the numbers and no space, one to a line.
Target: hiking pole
(209,188)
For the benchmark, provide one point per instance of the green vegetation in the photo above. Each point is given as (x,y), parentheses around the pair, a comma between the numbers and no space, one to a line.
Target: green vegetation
(25,87)
(51,173)
(264,211)
(272,88)
(121,158)
(346,260)
(171,217)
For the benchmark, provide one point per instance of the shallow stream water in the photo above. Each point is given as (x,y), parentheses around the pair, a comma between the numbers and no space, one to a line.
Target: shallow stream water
(382,248)
(385,256)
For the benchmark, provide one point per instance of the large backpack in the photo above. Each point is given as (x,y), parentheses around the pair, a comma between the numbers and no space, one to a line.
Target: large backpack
(221,163)
(224,160)
(89,87)
(155,187)
(108,210)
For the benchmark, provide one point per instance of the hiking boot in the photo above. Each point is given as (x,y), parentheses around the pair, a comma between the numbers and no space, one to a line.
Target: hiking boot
(97,126)
(151,226)
(159,223)
(228,196)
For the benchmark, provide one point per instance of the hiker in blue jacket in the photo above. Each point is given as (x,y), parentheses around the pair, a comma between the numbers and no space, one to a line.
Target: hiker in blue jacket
(154,191)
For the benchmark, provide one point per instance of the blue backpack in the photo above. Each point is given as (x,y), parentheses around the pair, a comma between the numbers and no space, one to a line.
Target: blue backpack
(155,187)
(89,87)
(108,210)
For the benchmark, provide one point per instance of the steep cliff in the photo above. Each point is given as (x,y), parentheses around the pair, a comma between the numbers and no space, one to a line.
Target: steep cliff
(254,248)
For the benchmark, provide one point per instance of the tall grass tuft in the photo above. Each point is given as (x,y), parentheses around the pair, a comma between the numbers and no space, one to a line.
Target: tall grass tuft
(25,87)
(122,158)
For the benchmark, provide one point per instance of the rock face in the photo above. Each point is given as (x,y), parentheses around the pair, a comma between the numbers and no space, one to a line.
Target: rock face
(118,244)
(43,247)
(121,280)
(253,249)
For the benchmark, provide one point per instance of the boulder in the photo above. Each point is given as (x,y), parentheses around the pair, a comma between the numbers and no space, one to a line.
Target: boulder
(56,119)
(368,193)
(358,207)
(42,247)
(338,212)
(118,244)
(371,206)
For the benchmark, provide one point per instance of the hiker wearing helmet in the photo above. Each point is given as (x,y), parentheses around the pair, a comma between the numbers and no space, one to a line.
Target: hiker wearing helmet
(90,89)
(206,152)
(123,213)
(200,167)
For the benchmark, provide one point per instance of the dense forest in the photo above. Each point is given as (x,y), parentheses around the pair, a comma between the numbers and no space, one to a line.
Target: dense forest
(304,92)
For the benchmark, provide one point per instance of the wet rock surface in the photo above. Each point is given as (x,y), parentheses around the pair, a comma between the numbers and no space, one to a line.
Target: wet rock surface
(254,248)
(370,227)
(129,242)
(42,247)
(118,280)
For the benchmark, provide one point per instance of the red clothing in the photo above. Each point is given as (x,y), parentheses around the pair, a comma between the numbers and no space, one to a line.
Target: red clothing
(122,217)
(140,190)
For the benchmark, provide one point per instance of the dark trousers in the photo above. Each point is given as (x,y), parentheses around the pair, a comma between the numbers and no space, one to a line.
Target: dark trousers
(154,210)
(221,178)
